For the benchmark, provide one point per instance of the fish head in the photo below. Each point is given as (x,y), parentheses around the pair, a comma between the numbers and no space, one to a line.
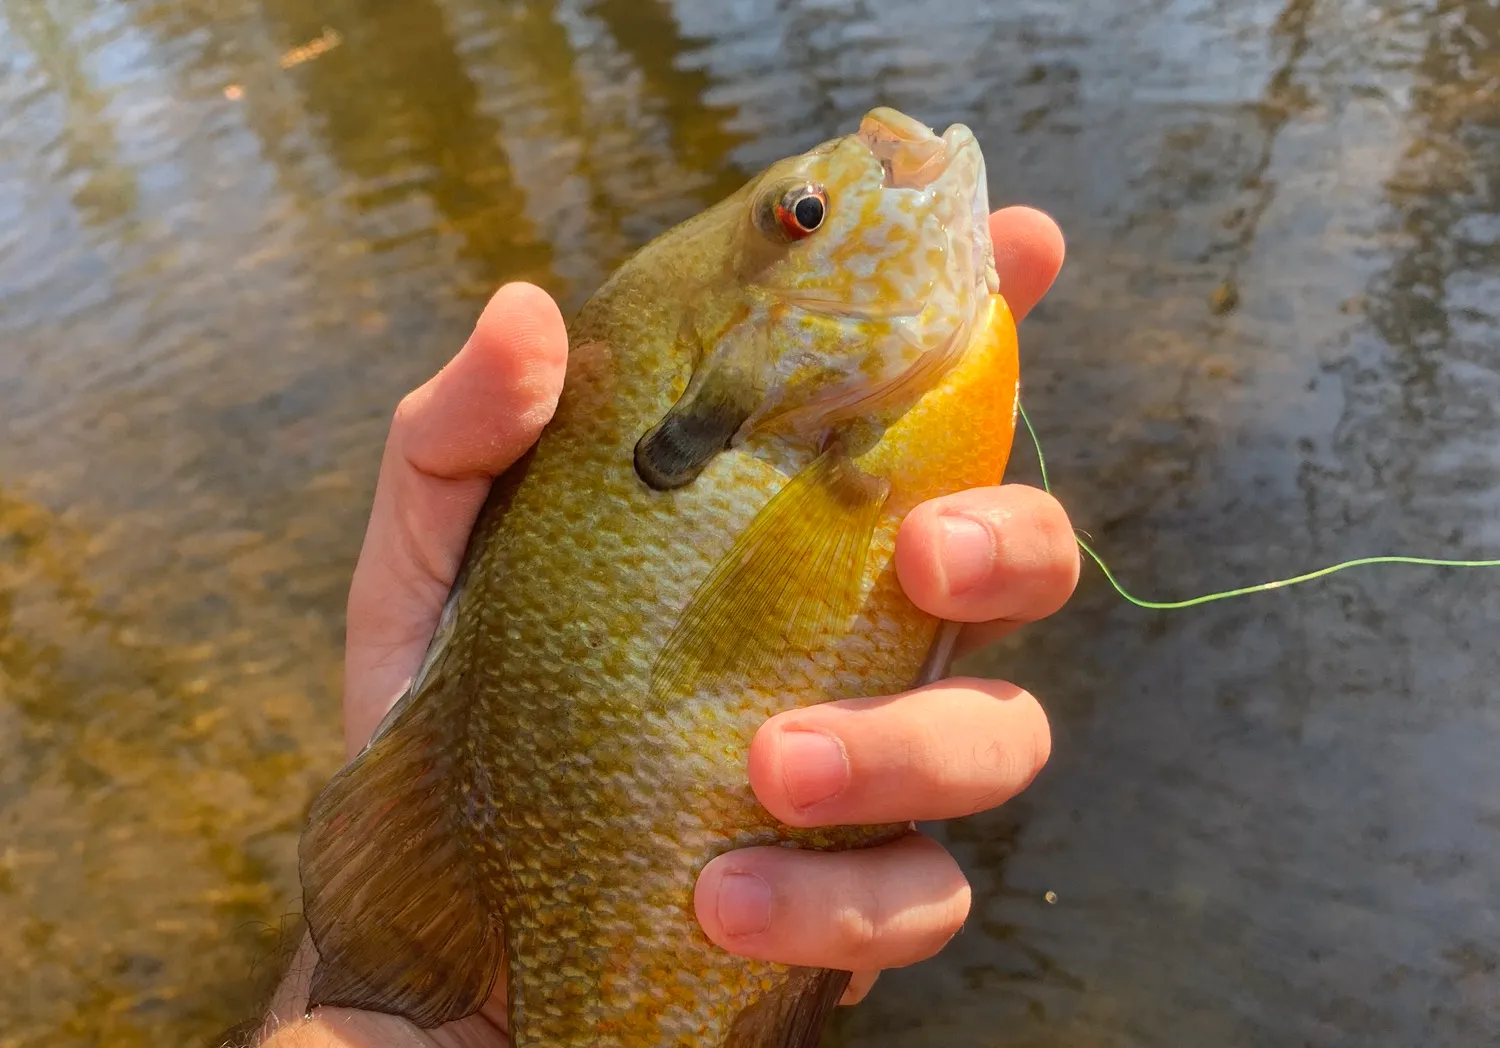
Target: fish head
(855,276)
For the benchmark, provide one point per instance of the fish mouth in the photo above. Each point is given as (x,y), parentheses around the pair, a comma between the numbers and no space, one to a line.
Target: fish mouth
(917,159)
(914,157)
(912,154)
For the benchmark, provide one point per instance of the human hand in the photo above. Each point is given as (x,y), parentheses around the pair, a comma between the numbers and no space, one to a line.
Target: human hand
(995,558)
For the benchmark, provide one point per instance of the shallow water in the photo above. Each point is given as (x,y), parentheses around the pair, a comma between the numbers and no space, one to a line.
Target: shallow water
(1274,821)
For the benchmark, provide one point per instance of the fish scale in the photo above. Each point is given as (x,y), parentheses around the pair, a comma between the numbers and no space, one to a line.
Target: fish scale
(559,778)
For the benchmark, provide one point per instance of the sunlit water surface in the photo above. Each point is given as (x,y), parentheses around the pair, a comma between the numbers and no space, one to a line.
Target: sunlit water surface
(1272,822)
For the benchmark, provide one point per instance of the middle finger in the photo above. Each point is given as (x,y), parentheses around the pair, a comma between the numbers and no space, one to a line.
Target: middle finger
(941,752)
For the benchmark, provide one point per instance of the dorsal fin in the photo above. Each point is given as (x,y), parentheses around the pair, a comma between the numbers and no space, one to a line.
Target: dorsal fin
(390,892)
(792,575)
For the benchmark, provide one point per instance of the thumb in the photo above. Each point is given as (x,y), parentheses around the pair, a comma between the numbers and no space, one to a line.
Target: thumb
(448,440)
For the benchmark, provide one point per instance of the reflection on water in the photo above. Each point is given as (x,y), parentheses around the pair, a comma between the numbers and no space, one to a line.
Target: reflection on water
(1268,822)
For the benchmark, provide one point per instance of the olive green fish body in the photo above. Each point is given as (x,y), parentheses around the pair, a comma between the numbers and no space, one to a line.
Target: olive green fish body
(638,598)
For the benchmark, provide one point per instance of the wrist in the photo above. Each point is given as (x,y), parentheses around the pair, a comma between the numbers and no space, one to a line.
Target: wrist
(307,1033)
(285,1022)
(337,1028)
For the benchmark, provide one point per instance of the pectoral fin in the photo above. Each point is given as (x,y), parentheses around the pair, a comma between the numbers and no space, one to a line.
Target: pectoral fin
(792,576)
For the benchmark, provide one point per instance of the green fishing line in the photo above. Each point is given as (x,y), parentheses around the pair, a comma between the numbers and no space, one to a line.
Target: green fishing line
(1169,605)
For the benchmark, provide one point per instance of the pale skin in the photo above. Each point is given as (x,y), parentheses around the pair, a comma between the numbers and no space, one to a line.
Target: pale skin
(993,558)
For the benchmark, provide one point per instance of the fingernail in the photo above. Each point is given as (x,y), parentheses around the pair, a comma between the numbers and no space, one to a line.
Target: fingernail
(814,767)
(744,904)
(968,553)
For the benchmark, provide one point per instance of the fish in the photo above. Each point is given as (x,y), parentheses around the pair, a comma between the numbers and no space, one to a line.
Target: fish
(701,538)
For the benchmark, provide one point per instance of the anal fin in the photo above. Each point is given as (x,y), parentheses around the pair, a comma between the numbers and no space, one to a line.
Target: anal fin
(791,577)
(793,1017)
(390,892)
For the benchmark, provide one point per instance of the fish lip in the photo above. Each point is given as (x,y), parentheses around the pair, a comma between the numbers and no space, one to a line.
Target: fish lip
(912,155)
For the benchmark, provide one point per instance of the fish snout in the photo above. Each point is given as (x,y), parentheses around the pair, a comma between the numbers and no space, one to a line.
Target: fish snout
(913,155)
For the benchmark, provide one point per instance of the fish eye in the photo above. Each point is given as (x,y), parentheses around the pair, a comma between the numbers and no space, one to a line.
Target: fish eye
(801,210)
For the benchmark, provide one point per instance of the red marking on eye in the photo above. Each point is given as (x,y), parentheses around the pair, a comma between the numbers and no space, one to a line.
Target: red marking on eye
(789,223)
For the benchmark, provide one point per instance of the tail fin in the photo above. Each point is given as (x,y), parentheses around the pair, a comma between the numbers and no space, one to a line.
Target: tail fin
(390,889)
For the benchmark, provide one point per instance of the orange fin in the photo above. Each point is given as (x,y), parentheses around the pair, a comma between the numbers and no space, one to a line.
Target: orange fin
(390,893)
(791,577)
(792,1017)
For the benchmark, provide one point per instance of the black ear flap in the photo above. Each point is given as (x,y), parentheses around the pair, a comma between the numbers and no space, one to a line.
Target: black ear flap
(698,427)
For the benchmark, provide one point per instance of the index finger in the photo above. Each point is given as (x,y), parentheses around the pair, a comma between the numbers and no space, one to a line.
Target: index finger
(1029,252)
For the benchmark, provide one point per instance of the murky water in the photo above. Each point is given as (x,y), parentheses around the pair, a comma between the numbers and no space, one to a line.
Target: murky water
(1268,822)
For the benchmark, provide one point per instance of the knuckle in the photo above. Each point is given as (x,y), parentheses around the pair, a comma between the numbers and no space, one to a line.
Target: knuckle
(424,568)
(1003,779)
(1009,744)
(925,756)
(1011,766)
(408,408)
(855,930)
